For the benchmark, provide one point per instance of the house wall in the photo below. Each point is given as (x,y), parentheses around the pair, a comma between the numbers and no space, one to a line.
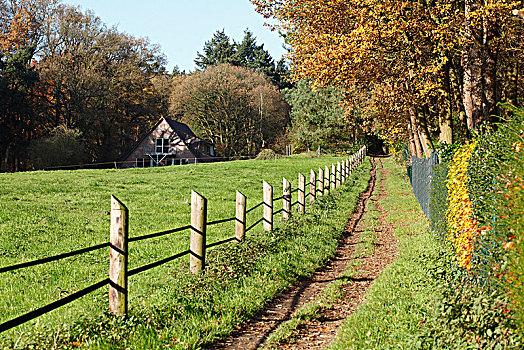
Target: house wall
(163,130)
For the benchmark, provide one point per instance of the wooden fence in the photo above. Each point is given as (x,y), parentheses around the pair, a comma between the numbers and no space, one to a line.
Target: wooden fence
(119,234)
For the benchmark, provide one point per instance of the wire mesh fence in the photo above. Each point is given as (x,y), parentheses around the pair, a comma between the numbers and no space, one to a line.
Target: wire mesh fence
(421,176)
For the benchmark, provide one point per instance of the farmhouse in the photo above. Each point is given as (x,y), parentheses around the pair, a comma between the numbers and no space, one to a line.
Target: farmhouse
(169,143)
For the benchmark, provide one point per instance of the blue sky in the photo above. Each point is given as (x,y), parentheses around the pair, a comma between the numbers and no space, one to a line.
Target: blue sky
(181,27)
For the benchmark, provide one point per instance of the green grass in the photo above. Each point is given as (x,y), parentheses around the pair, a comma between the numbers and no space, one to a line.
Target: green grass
(403,297)
(423,300)
(287,331)
(46,213)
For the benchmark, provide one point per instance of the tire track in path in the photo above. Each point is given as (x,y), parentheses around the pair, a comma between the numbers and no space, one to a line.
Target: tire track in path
(317,334)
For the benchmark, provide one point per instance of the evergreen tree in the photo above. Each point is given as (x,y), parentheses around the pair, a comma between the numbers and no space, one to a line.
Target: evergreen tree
(247,53)
(17,115)
(220,49)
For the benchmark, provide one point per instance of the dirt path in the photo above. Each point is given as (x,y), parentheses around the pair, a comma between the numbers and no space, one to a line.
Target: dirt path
(317,334)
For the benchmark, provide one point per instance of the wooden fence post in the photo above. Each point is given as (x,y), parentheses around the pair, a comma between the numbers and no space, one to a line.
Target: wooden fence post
(286,202)
(312,185)
(268,207)
(240,218)
(326,180)
(333,176)
(301,193)
(118,258)
(339,174)
(348,172)
(197,242)
(320,181)
(343,171)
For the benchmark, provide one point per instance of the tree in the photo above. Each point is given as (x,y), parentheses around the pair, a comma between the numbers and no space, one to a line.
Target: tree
(318,117)
(20,23)
(17,117)
(62,147)
(236,108)
(220,49)
(247,53)
(438,67)
(99,81)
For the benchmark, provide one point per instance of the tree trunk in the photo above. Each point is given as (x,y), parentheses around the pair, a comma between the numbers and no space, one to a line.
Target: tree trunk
(445,116)
(6,159)
(424,134)
(512,83)
(489,74)
(490,85)
(412,146)
(472,69)
(457,91)
(414,130)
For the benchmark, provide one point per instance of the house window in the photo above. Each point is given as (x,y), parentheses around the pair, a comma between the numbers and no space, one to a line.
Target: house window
(162,145)
(206,149)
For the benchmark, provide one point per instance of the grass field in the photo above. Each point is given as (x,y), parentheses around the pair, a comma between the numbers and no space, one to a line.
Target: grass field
(46,213)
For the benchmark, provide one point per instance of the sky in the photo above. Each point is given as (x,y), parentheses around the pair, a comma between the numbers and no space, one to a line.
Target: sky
(181,27)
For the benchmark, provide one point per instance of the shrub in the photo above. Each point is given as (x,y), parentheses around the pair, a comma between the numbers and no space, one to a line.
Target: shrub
(462,227)
(63,147)
(266,154)
(485,209)
(498,192)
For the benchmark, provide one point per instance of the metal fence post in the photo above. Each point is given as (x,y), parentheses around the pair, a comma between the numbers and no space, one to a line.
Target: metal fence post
(118,255)
(197,244)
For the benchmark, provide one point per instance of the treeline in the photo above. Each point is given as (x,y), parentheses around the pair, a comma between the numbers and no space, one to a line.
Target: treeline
(73,90)
(63,68)
(244,101)
(423,72)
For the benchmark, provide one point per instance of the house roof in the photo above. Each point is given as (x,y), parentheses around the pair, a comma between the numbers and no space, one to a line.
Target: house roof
(182,130)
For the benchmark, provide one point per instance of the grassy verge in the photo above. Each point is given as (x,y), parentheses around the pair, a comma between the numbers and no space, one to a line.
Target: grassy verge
(423,300)
(287,331)
(183,311)
(402,298)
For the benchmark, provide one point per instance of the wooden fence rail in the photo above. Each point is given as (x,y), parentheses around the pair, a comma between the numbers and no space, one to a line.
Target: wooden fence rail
(322,184)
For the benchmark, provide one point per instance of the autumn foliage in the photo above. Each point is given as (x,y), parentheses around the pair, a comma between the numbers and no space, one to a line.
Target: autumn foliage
(435,69)
(463,229)
(236,108)
(61,67)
